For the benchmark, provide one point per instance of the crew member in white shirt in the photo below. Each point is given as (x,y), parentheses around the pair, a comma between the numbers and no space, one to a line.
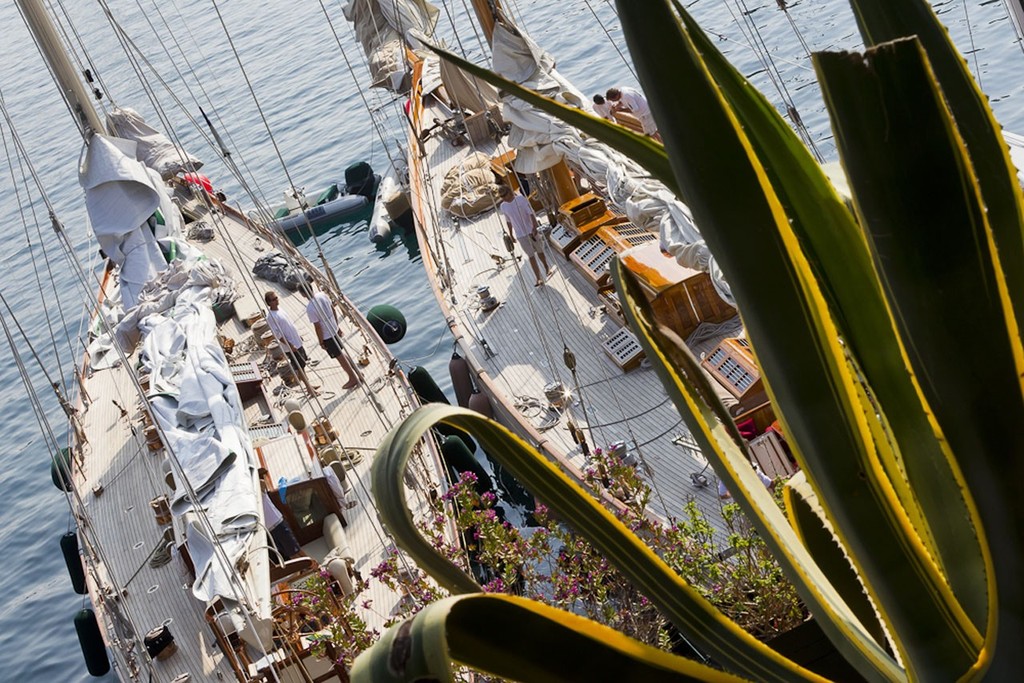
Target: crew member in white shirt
(289,339)
(603,107)
(522,225)
(632,100)
(320,311)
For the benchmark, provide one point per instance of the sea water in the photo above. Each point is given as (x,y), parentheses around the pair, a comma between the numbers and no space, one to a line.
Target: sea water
(310,99)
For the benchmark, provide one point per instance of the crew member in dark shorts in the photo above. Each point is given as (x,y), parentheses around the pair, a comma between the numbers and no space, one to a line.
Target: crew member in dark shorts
(289,339)
(280,532)
(320,312)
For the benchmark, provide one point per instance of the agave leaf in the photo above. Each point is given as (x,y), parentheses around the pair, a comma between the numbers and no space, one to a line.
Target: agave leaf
(518,639)
(387,482)
(838,254)
(797,345)
(948,292)
(713,632)
(640,148)
(884,20)
(690,390)
(815,532)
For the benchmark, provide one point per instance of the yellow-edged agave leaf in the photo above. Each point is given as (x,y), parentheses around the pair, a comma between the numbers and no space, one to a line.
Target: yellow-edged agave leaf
(521,640)
(689,387)
(920,466)
(640,148)
(798,349)
(884,20)
(714,633)
(928,228)
(815,532)
(387,483)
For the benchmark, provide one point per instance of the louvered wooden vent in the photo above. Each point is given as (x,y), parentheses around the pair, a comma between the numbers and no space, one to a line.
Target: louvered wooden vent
(732,364)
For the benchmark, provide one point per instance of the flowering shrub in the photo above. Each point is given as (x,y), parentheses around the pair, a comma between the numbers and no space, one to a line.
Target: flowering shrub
(333,625)
(550,563)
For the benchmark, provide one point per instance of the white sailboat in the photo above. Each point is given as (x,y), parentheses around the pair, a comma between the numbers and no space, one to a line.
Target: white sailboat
(554,355)
(192,446)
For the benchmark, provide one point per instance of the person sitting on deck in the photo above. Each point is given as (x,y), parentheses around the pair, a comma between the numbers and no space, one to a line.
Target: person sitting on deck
(280,533)
(320,311)
(289,339)
(522,225)
(633,101)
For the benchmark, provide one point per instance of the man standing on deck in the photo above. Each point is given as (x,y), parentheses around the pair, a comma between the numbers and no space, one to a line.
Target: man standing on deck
(288,337)
(522,225)
(320,312)
(633,101)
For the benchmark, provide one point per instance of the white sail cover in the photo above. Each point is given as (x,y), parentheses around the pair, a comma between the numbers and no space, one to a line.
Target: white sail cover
(122,197)
(153,148)
(541,140)
(195,402)
(381,25)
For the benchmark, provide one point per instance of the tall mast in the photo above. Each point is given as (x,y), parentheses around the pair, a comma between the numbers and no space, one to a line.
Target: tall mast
(64,72)
(485,14)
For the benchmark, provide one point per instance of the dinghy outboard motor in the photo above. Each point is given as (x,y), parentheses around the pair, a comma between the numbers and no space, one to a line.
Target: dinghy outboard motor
(360,179)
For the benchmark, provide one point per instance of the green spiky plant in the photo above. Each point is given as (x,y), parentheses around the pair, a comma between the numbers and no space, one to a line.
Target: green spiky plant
(889,343)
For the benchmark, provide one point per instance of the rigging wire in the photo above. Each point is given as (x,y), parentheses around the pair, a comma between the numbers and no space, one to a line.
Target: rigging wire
(974,48)
(35,266)
(213,74)
(53,76)
(270,134)
(72,496)
(277,240)
(89,72)
(540,331)
(71,256)
(355,81)
(748,27)
(625,60)
(363,386)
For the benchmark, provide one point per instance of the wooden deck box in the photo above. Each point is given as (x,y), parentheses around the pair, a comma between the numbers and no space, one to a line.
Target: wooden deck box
(624,349)
(504,174)
(767,450)
(484,125)
(681,298)
(577,212)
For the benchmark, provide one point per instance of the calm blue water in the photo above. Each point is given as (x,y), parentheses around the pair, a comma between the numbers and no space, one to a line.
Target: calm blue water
(312,104)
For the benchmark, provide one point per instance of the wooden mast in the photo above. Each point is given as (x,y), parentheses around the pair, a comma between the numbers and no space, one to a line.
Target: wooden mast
(487,12)
(64,72)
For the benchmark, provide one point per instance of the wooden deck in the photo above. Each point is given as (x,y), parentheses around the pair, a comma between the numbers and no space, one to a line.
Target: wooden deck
(517,349)
(118,529)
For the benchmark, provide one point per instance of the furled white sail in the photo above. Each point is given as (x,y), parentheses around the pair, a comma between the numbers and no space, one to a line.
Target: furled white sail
(153,148)
(195,402)
(381,25)
(541,140)
(122,199)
